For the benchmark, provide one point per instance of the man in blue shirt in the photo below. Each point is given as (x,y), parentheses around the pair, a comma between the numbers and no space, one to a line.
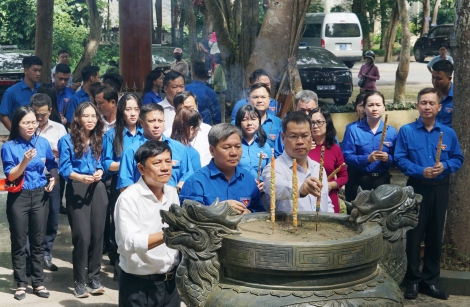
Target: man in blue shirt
(90,74)
(223,178)
(257,76)
(152,121)
(19,94)
(415,153)
(208,104)
(64,93)
(63,58)
(442,81)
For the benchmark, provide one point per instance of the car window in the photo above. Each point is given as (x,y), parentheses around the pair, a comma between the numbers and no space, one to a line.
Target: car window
(444,31)
(342,30)
(313,30)
(316,56)
(12,60)
(433,32)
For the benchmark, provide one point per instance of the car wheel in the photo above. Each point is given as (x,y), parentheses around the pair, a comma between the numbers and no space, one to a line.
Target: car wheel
(341,101)
(419,56)
(349,64)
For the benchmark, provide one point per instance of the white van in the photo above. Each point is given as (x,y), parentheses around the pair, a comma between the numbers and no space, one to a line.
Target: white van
(339,33)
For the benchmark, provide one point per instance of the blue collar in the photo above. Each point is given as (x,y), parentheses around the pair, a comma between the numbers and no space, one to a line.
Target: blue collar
(25,86)
(420,125)
(365,126)
(215,171)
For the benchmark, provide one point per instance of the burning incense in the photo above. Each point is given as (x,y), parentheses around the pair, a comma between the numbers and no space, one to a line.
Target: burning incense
(439,148)
(260,164)
(384,133)
(320,177)
(273,193)
(332,175)
(295,196)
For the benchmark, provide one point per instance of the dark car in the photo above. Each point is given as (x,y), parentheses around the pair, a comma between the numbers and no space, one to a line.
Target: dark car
(11,67)
(322,72)
(162,57)
(428,44)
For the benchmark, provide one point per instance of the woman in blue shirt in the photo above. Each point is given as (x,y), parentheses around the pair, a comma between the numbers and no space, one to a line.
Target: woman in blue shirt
(126,132)
(185,127)
(152,87)
(367,166)
(254,144)
(26,154)
(85,194)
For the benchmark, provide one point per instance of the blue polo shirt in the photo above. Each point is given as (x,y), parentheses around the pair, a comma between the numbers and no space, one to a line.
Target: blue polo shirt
(416,149)
(194,157)
(273,107)
(16,96)
(251,155)
(13,153)
(209,183)
(150,97)
(69,162)
(63,99)
(76,99)
(207,102)
(129,174)
(360,141)
(445,114)
(108,156)
(272,126)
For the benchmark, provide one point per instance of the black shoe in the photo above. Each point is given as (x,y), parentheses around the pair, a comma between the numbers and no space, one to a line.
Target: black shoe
(433,291)
(62,210)
(411,292)
(48,265)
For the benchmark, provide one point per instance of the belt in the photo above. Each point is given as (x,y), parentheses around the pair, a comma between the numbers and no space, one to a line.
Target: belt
(429,182)
(359,174)
(157,277)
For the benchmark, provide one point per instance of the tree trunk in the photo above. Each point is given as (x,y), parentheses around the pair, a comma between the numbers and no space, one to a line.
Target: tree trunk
(43,40)
(391,34)
(208,25)
(426,14)
(173,21)
(191,22)
(93,41)
(434,13)
(404,64)
(458,215)
(248,33)
(359,7)
(158,16)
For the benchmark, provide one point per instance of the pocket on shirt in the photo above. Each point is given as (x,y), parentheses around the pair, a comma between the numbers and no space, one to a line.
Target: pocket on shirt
(416,150)
(362,144)
(444,151)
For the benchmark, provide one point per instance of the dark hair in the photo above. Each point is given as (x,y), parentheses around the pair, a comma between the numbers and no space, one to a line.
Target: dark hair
(50,91)
(295,117)
(199,69)
(330,127)
(78,134)
(221,132)
(92,89)
(29,61)
(149,107)
(150,149)
(112,79)
(359,99)
(20,112)
(368,94)
(181,97)
(62,68)
(170,76)
(256,74)
(151,76)
(109,93)
(184,119)
(121,123)
(442,45)
(429,90)
(256,86)
(39,100)
(62,51)
(89,71)
(252,111)
(445,66)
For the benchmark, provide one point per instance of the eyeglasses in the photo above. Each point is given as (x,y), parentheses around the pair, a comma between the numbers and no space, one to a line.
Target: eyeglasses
(88,117)
(294,137)
(318,123)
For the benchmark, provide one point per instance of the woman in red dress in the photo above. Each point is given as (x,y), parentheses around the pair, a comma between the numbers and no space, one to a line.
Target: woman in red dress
(324,132)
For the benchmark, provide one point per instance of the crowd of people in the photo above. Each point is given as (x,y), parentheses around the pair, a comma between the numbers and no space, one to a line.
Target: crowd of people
(120,159)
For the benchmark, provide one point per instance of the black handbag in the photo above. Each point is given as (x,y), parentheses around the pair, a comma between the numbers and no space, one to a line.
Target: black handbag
(362,81)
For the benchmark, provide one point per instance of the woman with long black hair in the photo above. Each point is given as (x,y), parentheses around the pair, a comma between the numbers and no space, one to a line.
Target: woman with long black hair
(152,87)
(24,157)
(85,194)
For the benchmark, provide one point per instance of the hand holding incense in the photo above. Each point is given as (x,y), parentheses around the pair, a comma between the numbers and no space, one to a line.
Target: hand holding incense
(384,133)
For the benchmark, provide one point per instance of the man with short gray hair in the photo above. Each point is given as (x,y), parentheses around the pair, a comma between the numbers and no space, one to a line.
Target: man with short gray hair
(222,178)
(305,101)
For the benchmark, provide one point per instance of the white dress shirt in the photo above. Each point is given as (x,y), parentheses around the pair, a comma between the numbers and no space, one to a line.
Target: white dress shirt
(168,113)
(200,143)
(137,215)
(53,132)
(283,183)
(107,126)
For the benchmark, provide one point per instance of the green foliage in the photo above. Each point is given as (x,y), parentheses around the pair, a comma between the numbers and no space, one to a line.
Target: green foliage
(445,14)
(18,23)
(315,7)
(349,108)
(450,260)
(104,54)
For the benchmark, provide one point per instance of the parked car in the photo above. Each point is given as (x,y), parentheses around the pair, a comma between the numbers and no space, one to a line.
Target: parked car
(11,67)
(322,72)
(162,57)
(428,44)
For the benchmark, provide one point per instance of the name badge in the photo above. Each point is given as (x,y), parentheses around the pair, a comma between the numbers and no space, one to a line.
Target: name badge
(272,137)
(449,110)
(175,162)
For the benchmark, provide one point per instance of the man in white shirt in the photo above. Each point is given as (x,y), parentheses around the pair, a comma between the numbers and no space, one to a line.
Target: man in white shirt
(51,131)
(106,98)
(297,138)
(148,265)
(173,83)
(201,141)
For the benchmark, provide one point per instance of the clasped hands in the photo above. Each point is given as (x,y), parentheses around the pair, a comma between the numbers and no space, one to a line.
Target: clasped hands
(433,172)
(377,155)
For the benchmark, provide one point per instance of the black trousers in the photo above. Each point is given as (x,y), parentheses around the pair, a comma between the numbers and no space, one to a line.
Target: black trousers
(430,227)
(138,292)
(86,209)
(364,180)
(110,228)
(27,213)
